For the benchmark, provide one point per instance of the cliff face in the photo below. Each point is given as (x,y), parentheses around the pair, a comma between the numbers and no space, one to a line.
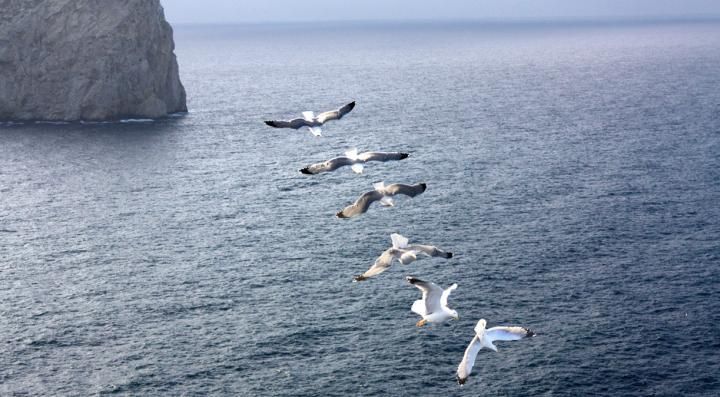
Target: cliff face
(87,60)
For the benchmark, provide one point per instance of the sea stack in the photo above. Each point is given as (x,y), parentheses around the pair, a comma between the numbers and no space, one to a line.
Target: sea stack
(87,60)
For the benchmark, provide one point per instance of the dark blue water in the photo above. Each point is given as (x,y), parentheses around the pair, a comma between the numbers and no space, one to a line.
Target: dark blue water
(573,169)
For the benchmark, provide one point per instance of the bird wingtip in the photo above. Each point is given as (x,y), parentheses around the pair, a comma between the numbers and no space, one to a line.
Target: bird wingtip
(461,381)
(530,333)
(403,156)
(449,255)
(424,186)
(359,278)
(305,171)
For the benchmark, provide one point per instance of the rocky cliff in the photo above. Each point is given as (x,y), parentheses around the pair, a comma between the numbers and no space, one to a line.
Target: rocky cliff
(87,60)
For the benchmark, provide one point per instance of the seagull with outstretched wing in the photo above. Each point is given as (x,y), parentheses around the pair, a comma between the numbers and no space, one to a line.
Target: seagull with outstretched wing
(354,159)
(381,193)
(405,254)
(312,121)
(485,338)
(433,307)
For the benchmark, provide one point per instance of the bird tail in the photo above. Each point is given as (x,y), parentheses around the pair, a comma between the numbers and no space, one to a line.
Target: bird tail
(317,131)
(357,168)
(352,154)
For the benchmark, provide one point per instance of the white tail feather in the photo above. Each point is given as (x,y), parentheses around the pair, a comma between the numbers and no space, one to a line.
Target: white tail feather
(352,154)
(399,241)
(316,131)
(357,168)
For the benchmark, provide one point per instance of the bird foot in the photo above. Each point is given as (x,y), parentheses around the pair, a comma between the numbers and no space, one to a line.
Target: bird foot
(421,323)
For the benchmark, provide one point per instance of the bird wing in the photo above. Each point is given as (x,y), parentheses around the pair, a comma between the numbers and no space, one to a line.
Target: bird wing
(381,264)
(360,205)
(446,294)
(382,156)
(294,123)
(468,361)
(432,294)
(335,114)
(430,250)
(327,166)
(408,190)
(507,333)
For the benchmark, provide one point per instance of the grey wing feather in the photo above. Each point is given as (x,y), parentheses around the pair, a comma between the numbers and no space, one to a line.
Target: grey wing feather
(294,123)
(327,166)
(335,114)
(360,205)
(507,333)
(432,294)
(408,190)
(382,156)
(381,264)
(429,250)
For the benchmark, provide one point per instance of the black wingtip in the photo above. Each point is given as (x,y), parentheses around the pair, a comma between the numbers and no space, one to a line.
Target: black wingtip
(449,255)
(305,171)
(359,278)
(424,186)
(403,156)
(461,381)
(351,105)
(411,279)
(340,215)
(270,123)
(530,333)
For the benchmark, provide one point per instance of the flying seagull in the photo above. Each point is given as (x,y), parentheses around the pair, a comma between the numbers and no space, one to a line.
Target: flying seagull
(310,120)
(404,252)
(353,159)
(433,305)
(381,193)
(485,338)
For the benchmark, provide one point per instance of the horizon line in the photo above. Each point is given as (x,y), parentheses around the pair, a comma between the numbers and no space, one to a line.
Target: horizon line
(517,20)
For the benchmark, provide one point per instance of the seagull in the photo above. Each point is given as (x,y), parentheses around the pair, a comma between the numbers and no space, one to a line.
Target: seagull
(404,252)
(433,305)
(353,159)
(485,338)
(381,193)
(310,120)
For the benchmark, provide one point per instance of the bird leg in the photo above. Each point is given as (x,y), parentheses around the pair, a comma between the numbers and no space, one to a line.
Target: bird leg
(421,323)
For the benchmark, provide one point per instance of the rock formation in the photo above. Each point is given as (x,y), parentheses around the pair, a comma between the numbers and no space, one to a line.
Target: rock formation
(87,60)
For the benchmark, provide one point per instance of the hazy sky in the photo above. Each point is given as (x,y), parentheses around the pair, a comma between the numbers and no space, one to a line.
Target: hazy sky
(227,11)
